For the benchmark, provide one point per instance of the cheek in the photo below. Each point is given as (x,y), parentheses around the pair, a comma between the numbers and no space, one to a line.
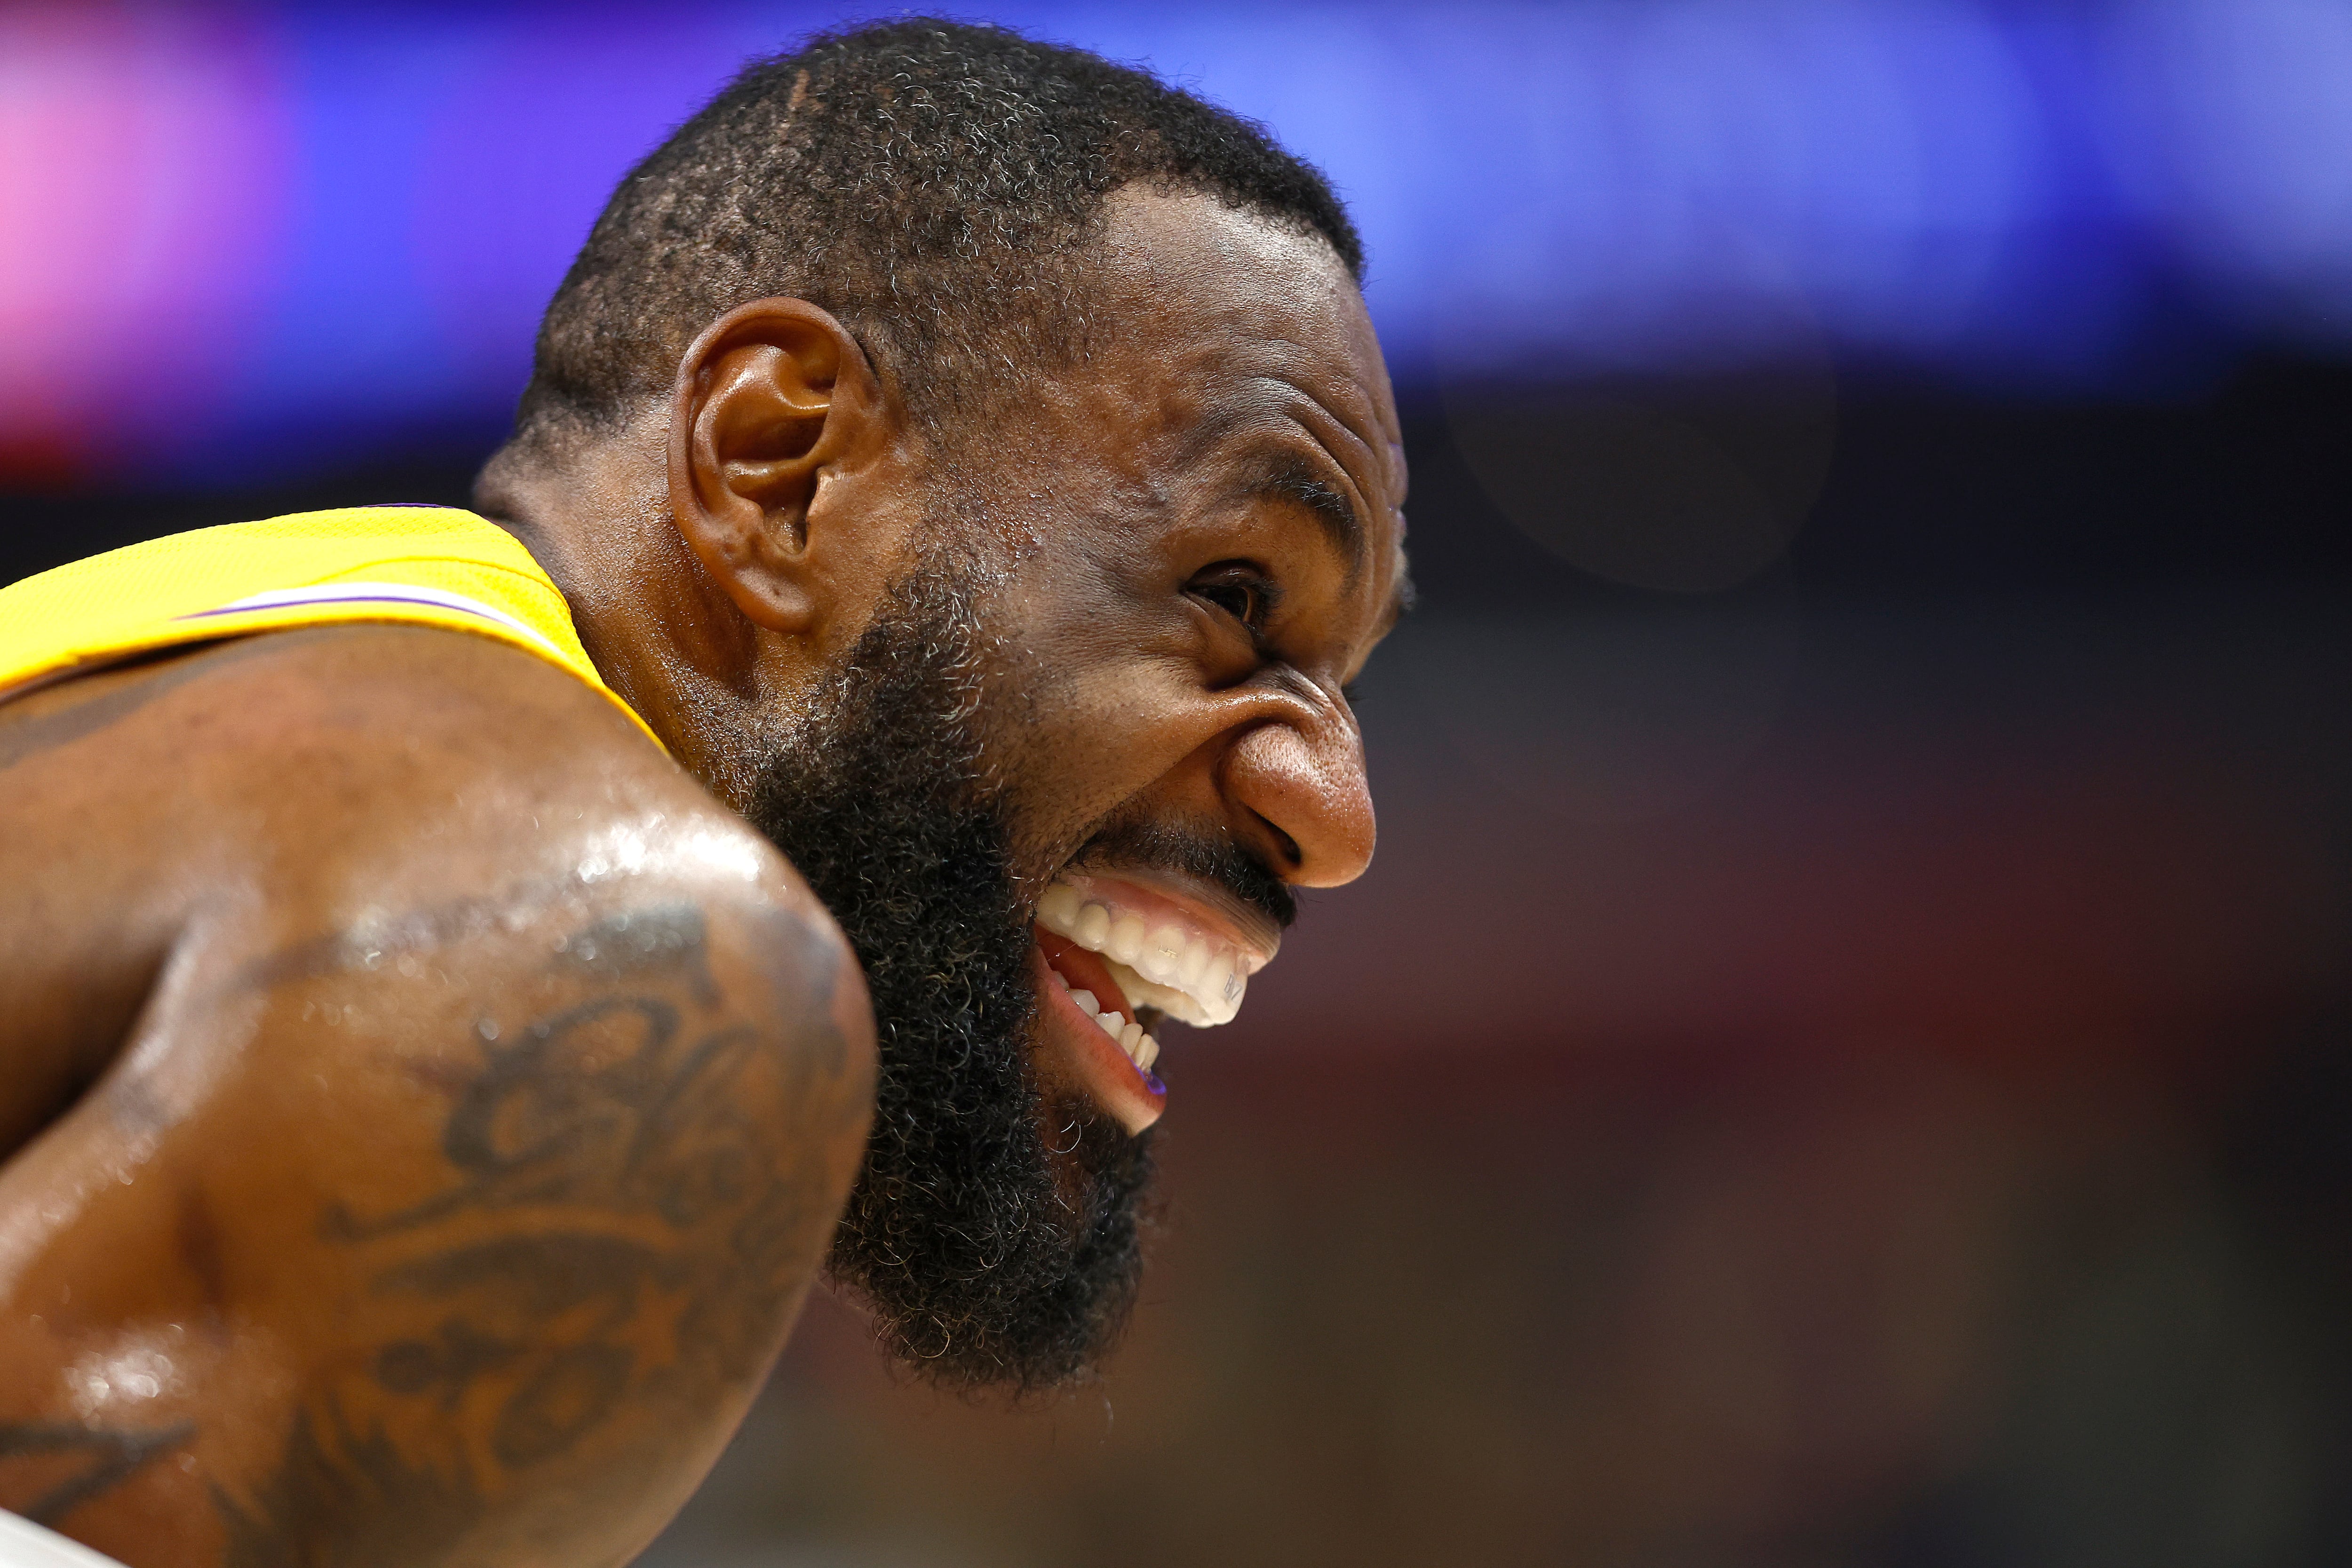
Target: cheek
(1094,725)
(1098,692)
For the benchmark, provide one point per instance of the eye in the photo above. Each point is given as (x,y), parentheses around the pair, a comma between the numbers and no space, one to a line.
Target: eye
(1239,589)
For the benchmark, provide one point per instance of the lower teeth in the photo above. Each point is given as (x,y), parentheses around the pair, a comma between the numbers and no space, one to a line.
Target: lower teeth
(1133,1043)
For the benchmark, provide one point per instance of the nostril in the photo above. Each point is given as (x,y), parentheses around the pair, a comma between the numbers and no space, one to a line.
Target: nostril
(1304,783)
(1283,844)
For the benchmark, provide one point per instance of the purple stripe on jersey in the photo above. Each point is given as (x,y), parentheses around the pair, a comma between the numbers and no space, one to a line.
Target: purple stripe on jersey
(341,599)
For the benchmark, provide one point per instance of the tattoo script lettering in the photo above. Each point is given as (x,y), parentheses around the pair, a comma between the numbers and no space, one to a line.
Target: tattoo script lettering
(624,1228)
(98,1460)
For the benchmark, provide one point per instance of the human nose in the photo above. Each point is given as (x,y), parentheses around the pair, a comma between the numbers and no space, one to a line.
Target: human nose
(1302,778)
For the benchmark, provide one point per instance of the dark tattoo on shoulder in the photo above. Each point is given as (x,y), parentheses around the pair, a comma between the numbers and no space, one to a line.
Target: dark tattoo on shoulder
(356,1489)
(668,938)
(623,1227)
(106,1459)
(621,1102)
(23,738)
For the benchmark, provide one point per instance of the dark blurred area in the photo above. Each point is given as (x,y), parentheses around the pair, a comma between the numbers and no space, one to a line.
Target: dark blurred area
(1840,1058)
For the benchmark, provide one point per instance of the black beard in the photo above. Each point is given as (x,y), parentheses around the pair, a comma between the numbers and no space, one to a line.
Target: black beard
(986,1257)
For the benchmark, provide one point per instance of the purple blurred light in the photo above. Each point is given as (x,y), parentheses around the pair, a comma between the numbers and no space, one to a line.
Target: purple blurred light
(2232,130)
(142,159)
(233,243)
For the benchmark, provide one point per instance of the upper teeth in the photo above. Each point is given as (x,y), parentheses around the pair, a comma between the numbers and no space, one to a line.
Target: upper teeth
(1184,973)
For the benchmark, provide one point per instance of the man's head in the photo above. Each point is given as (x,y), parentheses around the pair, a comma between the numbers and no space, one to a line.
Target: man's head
(976,460)
(932,185)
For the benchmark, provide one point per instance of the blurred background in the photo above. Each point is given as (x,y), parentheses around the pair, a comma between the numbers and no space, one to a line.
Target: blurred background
(1841,1058)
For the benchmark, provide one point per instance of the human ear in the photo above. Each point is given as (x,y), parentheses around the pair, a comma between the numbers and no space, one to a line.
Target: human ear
(771,395)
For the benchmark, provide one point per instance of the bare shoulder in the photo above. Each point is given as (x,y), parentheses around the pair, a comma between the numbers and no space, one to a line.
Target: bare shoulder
(320,778)
(489,1111)
(437,782)
(372,766)
(406,721)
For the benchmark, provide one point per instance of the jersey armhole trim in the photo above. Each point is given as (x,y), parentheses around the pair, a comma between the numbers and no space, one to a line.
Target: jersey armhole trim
(347,593)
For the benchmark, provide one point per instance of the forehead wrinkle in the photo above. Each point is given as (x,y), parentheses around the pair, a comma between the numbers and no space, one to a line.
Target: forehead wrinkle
(1245,308)
(1384,462)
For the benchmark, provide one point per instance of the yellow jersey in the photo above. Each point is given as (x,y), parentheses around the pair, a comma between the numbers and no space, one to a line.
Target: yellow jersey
(422,566)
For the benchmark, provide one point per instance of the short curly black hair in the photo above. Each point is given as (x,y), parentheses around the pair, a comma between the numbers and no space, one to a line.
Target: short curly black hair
(928,182)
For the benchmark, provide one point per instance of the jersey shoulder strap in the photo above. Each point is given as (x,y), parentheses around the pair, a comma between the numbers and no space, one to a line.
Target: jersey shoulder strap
(424,565)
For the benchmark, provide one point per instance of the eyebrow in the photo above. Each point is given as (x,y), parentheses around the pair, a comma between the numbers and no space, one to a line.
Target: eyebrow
(1288,477)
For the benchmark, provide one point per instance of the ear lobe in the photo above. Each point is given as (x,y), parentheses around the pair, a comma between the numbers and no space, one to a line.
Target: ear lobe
(768,396)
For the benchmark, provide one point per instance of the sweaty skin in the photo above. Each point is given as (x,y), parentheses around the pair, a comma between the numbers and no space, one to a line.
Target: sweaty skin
(428,1105)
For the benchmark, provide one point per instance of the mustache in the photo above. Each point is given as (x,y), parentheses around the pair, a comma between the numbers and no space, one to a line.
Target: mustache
(1208,855)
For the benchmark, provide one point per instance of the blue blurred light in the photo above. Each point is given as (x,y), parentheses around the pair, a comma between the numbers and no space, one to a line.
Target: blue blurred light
(365,209)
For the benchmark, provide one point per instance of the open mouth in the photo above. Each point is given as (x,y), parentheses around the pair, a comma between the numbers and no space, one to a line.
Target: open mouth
(1121,952)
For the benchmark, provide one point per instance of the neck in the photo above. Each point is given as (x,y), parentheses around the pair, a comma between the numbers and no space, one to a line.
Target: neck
(597,519)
